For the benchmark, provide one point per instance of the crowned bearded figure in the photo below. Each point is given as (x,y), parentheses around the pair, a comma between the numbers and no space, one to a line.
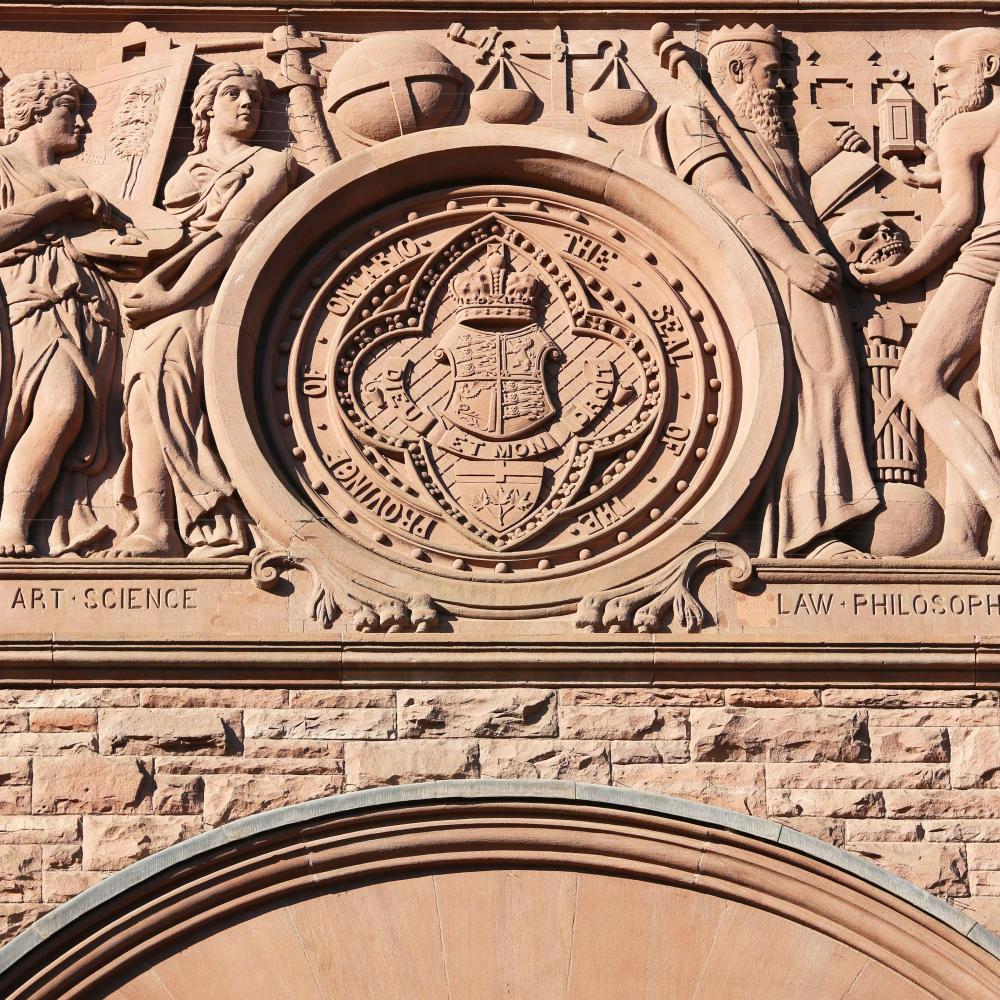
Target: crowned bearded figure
(824,480)
(58,338)
(172,482)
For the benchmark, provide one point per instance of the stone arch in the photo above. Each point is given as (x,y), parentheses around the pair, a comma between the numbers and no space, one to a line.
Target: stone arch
(487,889)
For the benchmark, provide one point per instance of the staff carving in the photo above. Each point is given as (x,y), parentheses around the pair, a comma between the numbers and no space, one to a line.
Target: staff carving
(730,144)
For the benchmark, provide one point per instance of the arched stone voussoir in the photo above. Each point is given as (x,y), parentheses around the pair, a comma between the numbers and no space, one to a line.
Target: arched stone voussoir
(502,888)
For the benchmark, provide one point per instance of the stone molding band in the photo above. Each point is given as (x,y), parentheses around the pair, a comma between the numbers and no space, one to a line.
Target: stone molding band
(470,825)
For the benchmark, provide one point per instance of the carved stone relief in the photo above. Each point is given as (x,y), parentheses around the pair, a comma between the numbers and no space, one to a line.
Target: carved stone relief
(474,323)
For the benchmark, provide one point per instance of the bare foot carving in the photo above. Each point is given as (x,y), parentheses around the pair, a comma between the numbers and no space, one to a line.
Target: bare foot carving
(142,546)
(15,545)
(217,551)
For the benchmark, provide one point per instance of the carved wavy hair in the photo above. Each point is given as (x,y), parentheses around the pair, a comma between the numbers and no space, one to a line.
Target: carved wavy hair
(30,96)
(207,89)
(720,56)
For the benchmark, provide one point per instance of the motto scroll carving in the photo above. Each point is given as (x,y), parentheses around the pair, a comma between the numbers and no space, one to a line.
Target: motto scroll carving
(410,309)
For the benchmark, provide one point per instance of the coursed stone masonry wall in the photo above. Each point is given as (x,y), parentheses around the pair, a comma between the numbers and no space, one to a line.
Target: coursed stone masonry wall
(92,779)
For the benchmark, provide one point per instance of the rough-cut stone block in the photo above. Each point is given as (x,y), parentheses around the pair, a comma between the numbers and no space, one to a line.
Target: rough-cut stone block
(739,787)
(63,720)
(835,803)
(342,698)
(20,874)
(906,698)
(778,735)
(45,744)
(15,770)
(39,829)
(975,757)
(16,917)
(178,794)
(162,730)
(983,856)
(962,830)
(940,803)
(600,722)
(773,697)
(15,721)
(320,750)
(626,697)
(15,799)
(184,697)
(984,715)
(833,831)
(231,796)
(88,783)
(330,763)
(112,842)
(939,868)
(63,697)
(985,883)
(884,830)
(828,775)
(62,856)
(493,712)
(911,743)
(568,760)
(402,761)
(58,886)
(319,723)
(649,751)
(984,909)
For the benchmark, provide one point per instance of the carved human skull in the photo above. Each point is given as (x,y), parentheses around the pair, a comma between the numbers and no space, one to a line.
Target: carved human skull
(866,236)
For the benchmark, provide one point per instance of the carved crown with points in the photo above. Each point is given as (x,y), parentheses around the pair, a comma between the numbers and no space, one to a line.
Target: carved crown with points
(496,291)
(751,33)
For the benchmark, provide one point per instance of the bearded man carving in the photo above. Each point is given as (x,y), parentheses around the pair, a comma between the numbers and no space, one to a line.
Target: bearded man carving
(824,480)
(963,159)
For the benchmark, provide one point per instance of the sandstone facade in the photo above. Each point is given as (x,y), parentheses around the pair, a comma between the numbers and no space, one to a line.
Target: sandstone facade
(902,777)
(550,395)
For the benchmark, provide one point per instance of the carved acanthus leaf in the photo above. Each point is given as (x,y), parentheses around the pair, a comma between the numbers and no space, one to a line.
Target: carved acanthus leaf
(669,601)
(331,598)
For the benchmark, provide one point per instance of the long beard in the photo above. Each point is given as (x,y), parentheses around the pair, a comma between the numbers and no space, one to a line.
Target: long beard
(972,100)
(761,107)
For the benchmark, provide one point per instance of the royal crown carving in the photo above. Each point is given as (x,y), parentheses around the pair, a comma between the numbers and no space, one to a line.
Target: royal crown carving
(495,291)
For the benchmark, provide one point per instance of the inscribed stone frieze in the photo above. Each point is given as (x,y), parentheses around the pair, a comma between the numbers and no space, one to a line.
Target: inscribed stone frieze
(498,331)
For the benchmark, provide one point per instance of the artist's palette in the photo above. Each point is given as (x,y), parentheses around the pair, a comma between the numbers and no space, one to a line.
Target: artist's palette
(139,232)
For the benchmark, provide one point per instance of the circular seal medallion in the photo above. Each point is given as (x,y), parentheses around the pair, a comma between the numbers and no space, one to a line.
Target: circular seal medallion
(487,377)
(503,378)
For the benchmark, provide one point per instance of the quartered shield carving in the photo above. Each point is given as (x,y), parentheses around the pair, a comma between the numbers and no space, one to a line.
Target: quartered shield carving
(498,389)
(503,430)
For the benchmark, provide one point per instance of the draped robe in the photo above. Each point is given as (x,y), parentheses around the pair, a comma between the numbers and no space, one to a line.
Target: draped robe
(54,301)
(167,358)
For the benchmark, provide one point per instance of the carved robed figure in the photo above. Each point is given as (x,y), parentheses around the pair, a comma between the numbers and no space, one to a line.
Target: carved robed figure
(58,328)
(742,160)
(171,473)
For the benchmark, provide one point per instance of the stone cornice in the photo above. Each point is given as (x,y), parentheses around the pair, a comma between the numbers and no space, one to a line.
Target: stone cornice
(682,12)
